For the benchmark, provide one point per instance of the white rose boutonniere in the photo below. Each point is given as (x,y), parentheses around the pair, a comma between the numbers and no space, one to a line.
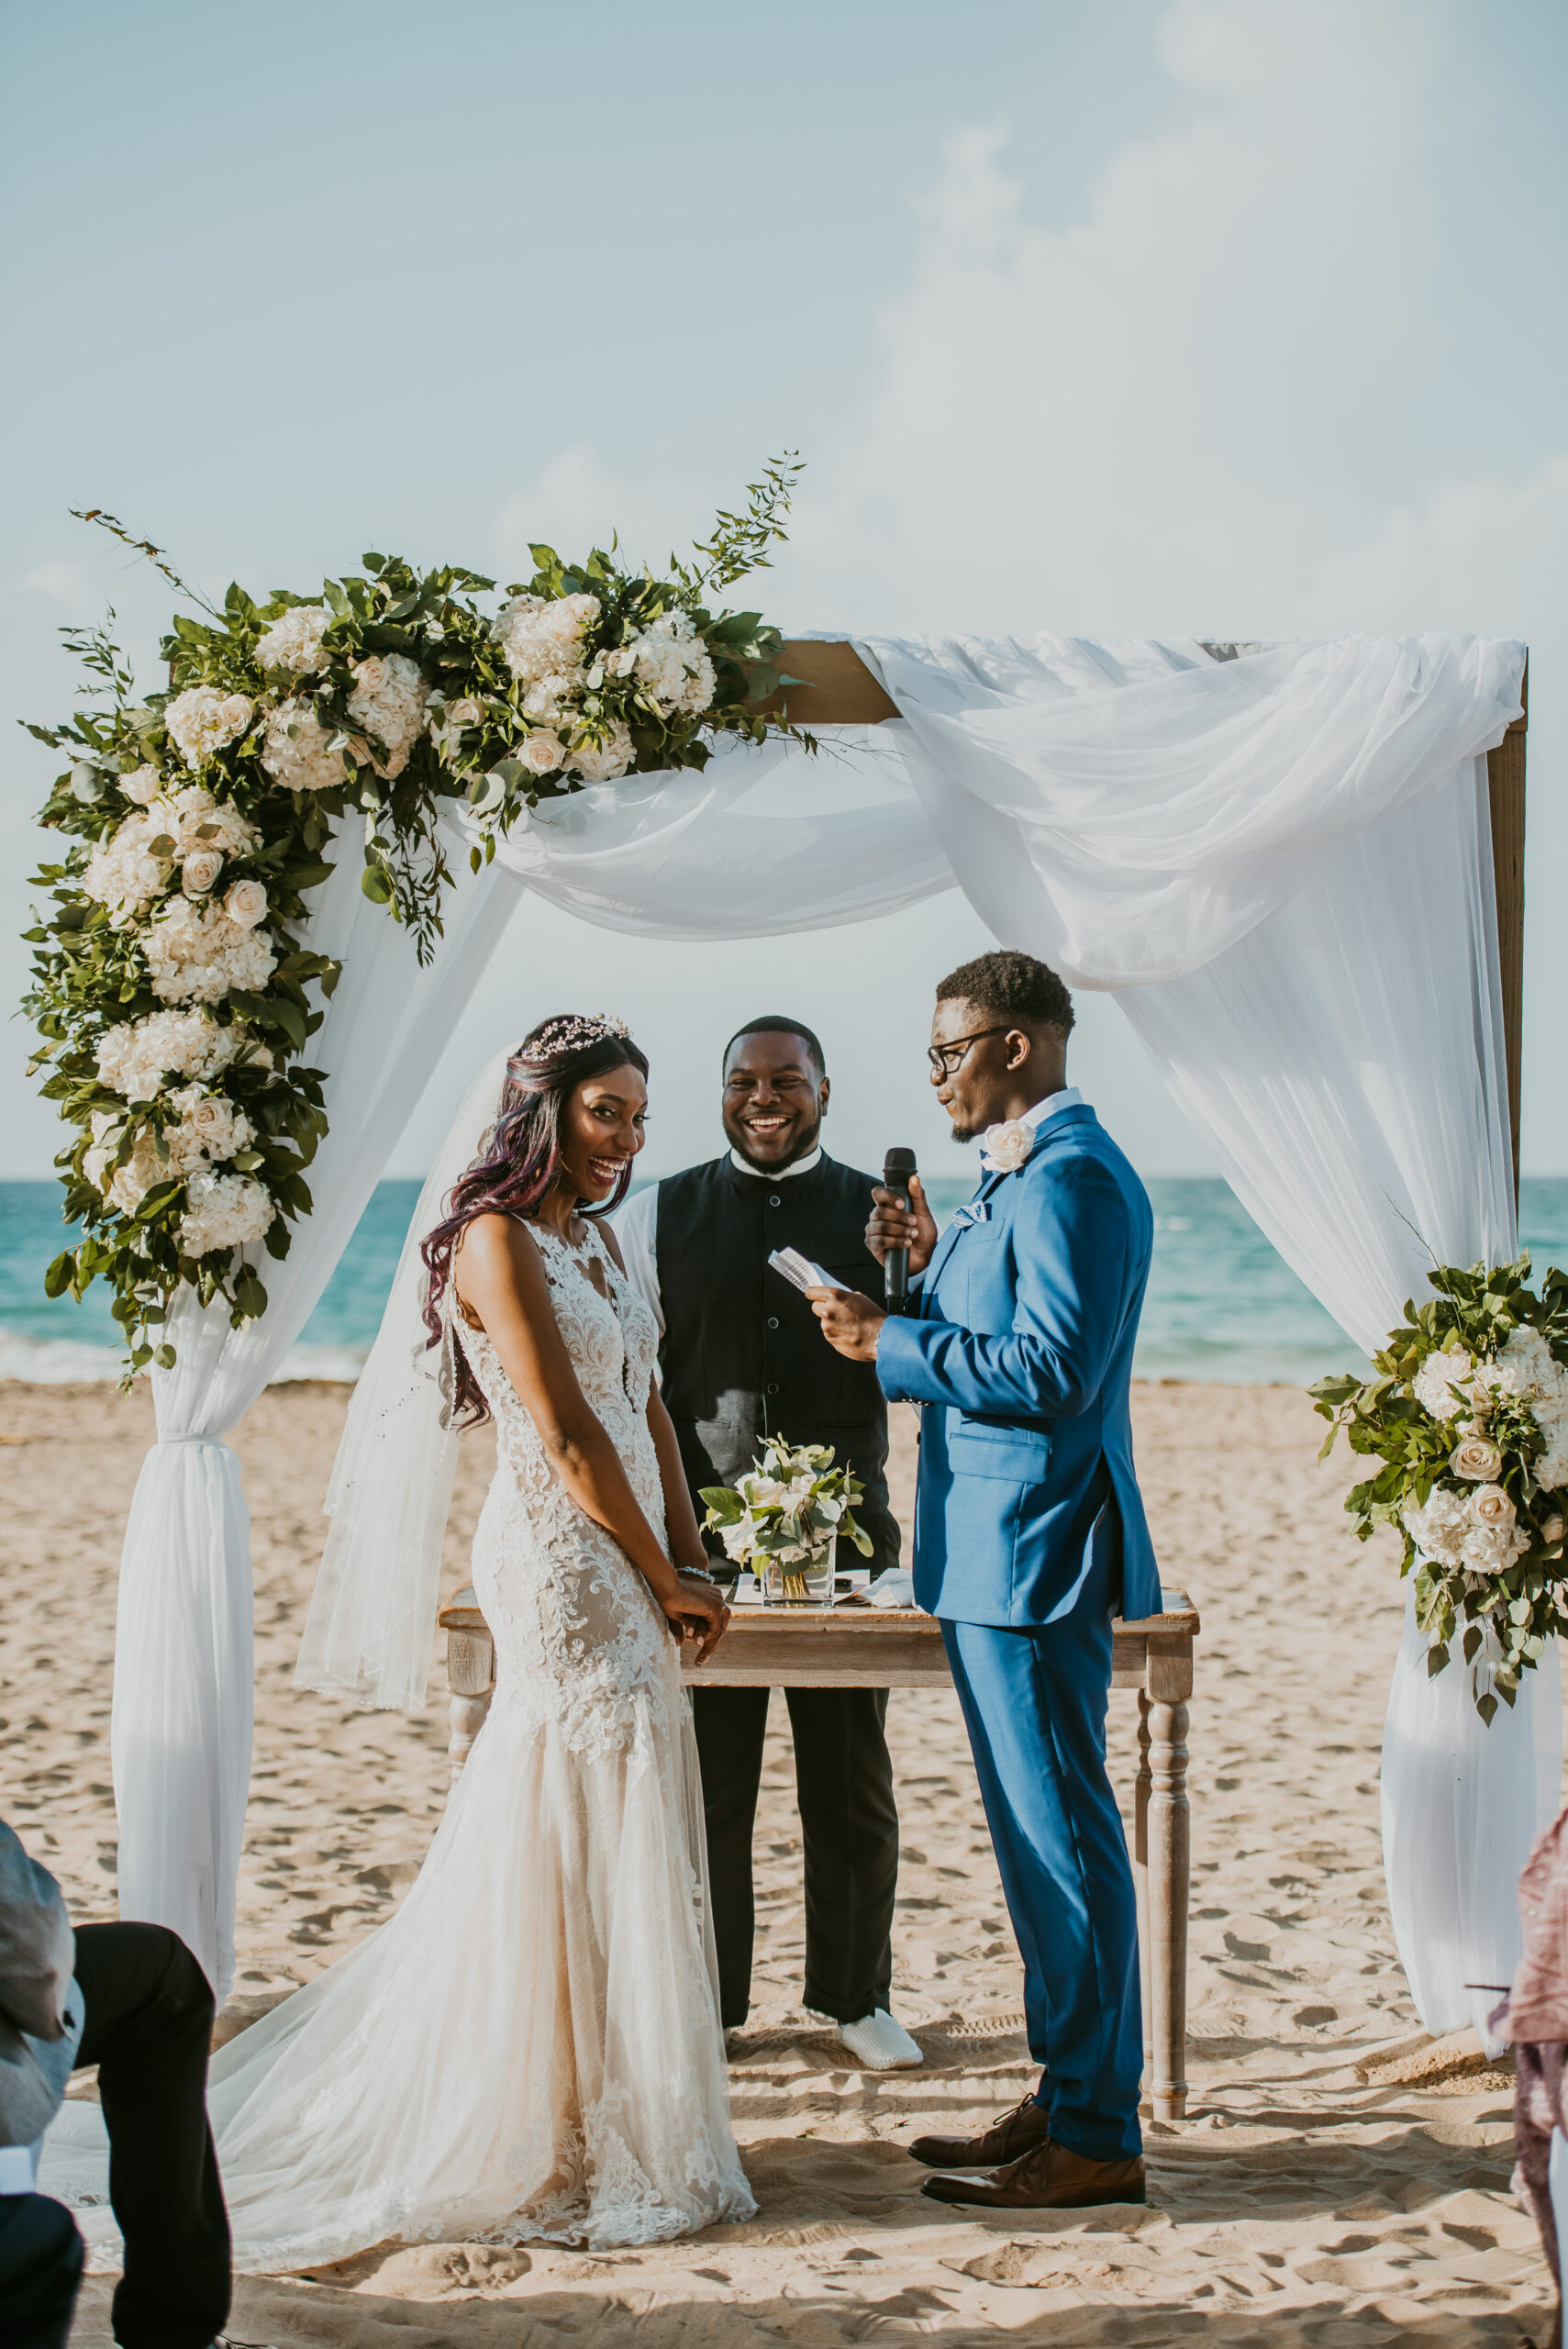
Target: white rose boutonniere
(1005,1147)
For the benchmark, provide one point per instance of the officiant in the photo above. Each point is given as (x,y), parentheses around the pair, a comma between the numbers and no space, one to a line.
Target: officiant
(740,1358)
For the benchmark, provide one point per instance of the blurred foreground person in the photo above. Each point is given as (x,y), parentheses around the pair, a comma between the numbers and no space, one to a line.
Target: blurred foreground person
(1534,2015)
(132,2000)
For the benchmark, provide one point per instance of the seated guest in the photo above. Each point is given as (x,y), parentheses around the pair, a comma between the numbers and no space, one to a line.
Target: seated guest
(132,2000)
(740,1359)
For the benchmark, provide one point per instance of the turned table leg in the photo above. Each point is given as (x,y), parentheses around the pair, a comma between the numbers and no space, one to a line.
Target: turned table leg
(1141,1874)
(1169,1870)
(471,1673)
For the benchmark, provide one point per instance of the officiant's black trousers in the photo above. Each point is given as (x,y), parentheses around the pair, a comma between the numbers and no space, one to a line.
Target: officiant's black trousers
(849,1828)
(149,2029)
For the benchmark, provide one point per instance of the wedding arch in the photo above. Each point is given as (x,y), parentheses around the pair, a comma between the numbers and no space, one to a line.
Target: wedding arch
(1298,868)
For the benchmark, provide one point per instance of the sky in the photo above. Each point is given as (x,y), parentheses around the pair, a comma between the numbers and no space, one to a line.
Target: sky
(1230,319)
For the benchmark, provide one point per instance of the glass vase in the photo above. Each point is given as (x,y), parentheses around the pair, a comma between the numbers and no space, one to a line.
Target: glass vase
(807,1583)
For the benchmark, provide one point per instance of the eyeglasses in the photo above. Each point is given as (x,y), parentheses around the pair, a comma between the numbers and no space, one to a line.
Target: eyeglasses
(946,1059)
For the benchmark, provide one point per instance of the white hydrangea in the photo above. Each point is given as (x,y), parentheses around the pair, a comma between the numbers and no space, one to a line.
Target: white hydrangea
(197,820)
(196,955)
(545,703)
(604,762)
(1453,1367)
(294,642)
(1438,1526)
(205,719)
(449,721)
(135,1057)
(388,700)
(223,1211)
(670,662)
(124,872)
(542,636)
(124,1187)
(295,750)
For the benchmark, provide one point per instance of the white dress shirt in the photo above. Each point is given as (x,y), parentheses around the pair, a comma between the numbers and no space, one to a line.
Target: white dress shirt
(637,1226)
(1069,1097)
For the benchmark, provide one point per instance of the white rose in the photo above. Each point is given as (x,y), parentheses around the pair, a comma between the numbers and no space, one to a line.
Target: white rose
(202,720)
(1551,1531)
(1491,1508)
(1006,1147)
(466,712)
(1476,1459)
(246,904)
(142,785)
(541,754)
(199,871)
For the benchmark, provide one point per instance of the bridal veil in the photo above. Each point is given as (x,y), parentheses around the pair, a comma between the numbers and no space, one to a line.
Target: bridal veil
(368,1631)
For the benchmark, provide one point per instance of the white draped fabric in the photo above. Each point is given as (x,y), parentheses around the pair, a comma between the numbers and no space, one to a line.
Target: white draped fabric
(182,1720)
(1280,864)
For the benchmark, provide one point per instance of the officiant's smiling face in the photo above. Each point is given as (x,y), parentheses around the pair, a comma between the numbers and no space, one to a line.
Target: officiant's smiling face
(774,1096)
(603,1126)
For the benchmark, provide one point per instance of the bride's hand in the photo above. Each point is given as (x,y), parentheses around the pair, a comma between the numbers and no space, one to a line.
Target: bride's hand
(696,1609)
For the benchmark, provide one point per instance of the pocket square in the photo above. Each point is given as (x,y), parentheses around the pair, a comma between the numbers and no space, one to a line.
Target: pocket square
(979,1213)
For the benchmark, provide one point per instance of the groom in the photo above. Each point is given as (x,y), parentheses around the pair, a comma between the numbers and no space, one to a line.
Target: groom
(1029,1534)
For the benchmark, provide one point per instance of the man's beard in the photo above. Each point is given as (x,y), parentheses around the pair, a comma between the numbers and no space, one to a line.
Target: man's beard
(803,1146)
(967,1133)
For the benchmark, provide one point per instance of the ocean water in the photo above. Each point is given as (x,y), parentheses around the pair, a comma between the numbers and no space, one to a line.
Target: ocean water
(1221,1305)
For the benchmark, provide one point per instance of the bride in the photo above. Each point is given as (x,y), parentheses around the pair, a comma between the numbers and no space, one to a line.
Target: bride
(531,2046)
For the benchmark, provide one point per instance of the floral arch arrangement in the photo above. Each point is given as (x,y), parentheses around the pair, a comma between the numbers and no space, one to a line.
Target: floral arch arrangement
(171,991)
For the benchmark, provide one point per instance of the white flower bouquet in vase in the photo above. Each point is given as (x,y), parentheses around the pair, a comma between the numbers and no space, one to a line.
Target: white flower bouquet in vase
(781,1521)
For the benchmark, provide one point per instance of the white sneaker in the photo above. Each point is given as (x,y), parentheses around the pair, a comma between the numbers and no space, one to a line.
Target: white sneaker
(880,2044)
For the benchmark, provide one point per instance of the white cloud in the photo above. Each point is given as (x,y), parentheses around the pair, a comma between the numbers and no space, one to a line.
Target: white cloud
(575,503)
(65,584)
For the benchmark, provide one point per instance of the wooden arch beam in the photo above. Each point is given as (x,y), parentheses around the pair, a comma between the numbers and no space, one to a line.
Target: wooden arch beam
(838,689)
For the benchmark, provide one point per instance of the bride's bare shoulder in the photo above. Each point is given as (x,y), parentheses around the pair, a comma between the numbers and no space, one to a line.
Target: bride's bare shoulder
(493,1251)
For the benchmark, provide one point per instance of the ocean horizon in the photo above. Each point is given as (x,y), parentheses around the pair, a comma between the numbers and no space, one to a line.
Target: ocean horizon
(1222,1306)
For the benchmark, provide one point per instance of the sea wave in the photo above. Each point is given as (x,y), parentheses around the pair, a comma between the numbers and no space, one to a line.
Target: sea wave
(61,1361)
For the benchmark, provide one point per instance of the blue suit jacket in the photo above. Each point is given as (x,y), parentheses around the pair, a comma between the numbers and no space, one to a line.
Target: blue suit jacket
(1020,1339)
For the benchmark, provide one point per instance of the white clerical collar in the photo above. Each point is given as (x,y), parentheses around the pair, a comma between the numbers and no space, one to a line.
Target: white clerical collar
(777,1174)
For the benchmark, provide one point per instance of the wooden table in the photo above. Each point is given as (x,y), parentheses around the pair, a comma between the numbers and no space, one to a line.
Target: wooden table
(869,1647)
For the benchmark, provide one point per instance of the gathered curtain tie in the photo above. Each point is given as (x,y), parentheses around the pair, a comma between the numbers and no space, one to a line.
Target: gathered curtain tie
(193,1438)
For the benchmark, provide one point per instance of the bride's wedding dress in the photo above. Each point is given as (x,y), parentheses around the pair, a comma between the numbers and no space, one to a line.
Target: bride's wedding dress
(531,2046)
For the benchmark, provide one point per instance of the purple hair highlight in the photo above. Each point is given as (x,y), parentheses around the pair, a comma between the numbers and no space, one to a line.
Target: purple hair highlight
(518,1164)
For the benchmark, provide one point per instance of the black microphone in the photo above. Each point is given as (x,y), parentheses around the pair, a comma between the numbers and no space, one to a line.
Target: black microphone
(897,1169)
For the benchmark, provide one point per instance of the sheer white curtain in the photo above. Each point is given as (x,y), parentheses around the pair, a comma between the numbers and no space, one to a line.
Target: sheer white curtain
(182,1719)
(1279,864)
(1282,867)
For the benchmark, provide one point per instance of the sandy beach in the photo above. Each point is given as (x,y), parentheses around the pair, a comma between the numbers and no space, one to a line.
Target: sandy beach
(1313,2197)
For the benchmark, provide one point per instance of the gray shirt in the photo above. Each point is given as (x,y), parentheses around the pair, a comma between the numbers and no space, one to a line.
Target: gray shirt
(41,2011)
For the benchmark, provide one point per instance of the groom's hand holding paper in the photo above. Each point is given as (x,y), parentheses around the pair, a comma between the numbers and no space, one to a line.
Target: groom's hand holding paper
(850,1322)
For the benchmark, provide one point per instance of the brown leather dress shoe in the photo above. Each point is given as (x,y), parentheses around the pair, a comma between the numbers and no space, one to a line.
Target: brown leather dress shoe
(1018,2132)
(1047,2178)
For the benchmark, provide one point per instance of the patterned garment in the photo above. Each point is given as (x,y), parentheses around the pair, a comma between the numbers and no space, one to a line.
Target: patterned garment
(531,2046)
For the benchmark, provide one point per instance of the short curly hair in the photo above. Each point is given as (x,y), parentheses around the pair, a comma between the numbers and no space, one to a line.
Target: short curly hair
(1010,985)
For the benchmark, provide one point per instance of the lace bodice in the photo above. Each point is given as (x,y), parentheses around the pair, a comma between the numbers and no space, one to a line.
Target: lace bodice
(577,1632)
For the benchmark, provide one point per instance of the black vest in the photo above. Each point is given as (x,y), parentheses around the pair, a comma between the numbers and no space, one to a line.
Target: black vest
(743,1356)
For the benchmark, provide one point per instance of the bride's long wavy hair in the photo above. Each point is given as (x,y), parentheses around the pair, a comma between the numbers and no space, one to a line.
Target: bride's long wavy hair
(519,1162)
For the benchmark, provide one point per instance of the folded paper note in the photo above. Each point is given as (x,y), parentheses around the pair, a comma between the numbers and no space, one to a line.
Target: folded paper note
(799,1271)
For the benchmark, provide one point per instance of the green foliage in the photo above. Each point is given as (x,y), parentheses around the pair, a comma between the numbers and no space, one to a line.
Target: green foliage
(1500,1595)
(91,971)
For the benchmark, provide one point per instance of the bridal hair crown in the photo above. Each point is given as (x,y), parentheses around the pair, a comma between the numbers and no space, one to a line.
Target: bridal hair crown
(560,1037)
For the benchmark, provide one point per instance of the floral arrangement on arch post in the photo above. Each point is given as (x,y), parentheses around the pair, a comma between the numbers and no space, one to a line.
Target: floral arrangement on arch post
(173,1001)
(785,1513)
(1469,1415)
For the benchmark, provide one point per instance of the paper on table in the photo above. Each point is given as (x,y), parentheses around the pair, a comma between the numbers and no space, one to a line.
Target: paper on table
(799,1271)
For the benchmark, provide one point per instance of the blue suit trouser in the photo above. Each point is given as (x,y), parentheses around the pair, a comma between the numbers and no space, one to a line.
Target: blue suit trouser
(1034,1703)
